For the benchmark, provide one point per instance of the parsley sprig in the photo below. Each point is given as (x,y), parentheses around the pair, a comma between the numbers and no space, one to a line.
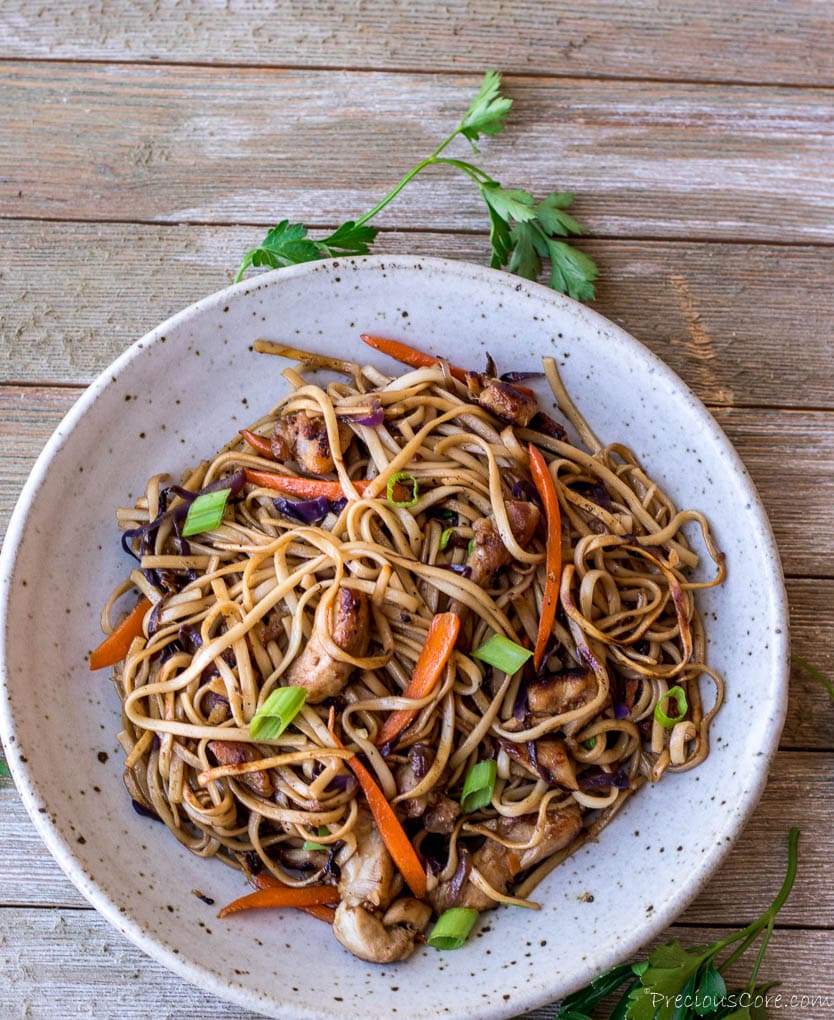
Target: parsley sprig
(523,232)
(685,984)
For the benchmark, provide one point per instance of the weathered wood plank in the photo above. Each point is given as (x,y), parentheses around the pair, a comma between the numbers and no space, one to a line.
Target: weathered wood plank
(790,455)
(720,314)
(747,41)
(43,965)
(197,144)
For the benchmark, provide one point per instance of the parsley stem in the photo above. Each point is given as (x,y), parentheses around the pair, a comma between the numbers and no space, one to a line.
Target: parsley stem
(760,955)
(815,673)
(747,935)
(434,159)
(412,173)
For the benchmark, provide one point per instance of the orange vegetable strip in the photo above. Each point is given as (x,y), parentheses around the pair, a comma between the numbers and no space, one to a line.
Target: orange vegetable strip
(115,646)
(259,443)
(304,488)
(440,643)
(553,550)
(392,832)
(306,896)
(408,355)
(266,881)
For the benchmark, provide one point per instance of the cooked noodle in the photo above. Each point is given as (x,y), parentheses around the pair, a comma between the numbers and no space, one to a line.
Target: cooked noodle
(234,609)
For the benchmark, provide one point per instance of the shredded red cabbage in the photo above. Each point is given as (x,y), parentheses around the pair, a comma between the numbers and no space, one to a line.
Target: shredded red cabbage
(621,712)
(548,426)
(595,779)
(512,377)
(308,511)
(524,489)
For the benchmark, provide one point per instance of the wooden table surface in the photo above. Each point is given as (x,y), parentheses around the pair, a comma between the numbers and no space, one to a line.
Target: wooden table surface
(144,146)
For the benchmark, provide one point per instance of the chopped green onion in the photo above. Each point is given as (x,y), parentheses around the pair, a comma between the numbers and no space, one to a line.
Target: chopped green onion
(206,512)
(277,712)
(452,928)
(590,743)
(478,786)
(322,831)
(402,478)
(502,653)
(444,538)
(678,694)
(470,547)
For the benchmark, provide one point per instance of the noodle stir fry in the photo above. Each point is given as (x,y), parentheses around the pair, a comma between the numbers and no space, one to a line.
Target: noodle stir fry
(402,647)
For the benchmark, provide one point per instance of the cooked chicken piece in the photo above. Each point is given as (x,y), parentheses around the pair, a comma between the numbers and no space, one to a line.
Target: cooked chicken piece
(441,814)
(561,692)
(505,401)
(229,753)
(381,940)
(489,553)
(499,864)
(302,437)
(367,877)
(406,779)
(546,758)
(319,673)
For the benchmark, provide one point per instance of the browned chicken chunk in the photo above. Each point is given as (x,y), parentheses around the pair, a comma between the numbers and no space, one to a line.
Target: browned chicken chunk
(561,692)
(229,753)
(320,674)
(505,401)
(546,758)
(499,864)
(367,923)
(489,553)
(302,437)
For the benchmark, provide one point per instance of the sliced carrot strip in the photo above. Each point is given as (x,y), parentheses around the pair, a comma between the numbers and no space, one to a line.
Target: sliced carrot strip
(115,646)
(408,355)
(304,488)
(392,832)
(306,896)
(440,644)
(259,443)
(266,881)
(553,550)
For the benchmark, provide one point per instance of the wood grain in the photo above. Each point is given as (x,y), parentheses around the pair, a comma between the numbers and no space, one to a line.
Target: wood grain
(198,144)
(725,317)
(112,978)
(747,41)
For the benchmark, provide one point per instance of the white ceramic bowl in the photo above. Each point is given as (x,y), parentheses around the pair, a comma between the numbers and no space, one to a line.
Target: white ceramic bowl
(181,392)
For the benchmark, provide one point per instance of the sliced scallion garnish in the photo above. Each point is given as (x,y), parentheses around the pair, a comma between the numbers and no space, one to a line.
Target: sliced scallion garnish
(678,695)
(452,928)
(309,845)
(502,653)
(206,512)
(478,786)
(402,478)
(444,538)
(277,712)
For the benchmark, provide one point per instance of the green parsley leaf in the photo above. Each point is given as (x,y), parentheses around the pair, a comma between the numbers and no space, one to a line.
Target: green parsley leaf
(670,969)
(711,990)
(585,999)
(522,231)
(509,204)
(348,239)
(572,272)
(487,112)
(552,217)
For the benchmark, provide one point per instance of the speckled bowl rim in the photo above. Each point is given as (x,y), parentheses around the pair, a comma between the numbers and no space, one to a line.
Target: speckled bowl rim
(62,850)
